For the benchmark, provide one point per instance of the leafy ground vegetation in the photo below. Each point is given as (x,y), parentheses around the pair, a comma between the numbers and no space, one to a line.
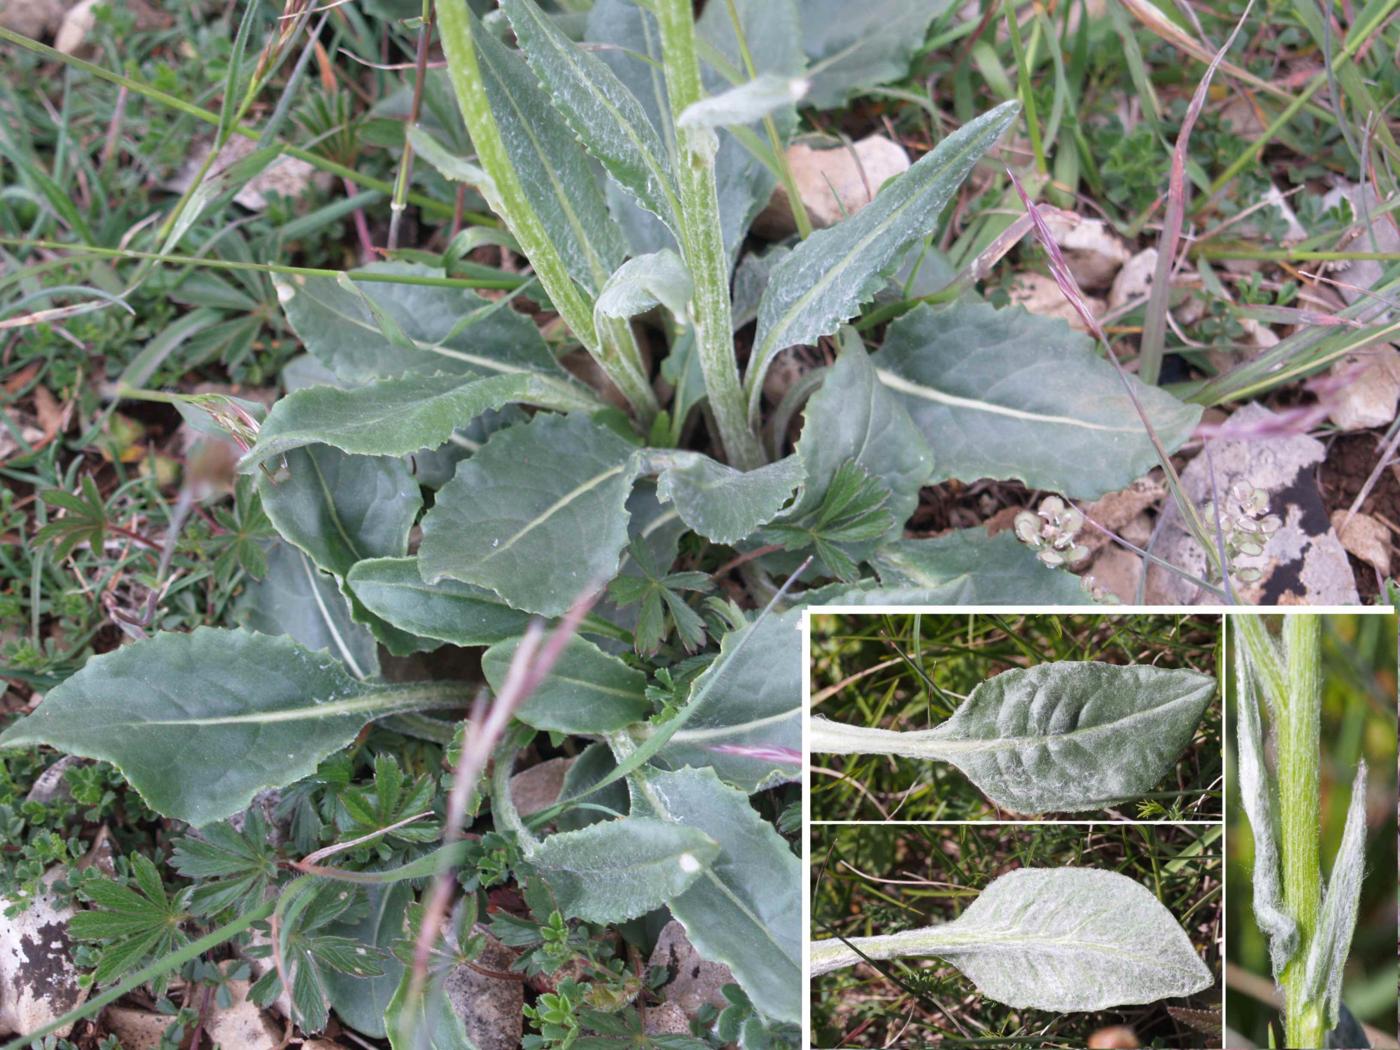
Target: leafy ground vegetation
(910,672)
(883,879)
(341,341)
(1356,715)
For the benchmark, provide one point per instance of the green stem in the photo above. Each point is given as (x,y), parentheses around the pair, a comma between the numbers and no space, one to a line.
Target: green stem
(702,241)
(405,172)
(1024,88)
(361,276)
(1299,742)
(164,964)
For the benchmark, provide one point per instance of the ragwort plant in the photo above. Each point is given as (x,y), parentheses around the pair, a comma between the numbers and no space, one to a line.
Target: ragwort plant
(546,490)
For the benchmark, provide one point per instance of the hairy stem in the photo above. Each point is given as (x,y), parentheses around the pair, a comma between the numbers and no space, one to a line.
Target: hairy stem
(702,241)
(1298,741)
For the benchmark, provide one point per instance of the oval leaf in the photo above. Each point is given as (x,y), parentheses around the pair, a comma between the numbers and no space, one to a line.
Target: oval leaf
(538,515)
(1065,736)
(257,712)
(1007,394)
(586,691)
(619,869)
(1062,939)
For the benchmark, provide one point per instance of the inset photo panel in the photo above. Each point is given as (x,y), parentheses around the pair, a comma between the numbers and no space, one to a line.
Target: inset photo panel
(1311,831)
(1044,935)
(978,716)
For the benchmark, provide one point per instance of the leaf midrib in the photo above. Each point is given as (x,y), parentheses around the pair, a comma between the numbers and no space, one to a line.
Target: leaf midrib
(902,385)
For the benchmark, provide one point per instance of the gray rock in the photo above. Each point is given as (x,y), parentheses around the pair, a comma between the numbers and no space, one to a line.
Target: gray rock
(489,1007)
(694,981)
(38,981)
(1304,562)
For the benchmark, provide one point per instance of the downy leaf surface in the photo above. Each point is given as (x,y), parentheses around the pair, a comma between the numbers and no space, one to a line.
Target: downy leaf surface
(587,691)
(397,417)
(619,869)
(854,46)
(1064,736)
(743,181)
(1006,394)
(341,509)
(1257,787)
(434,329)
(854,418)
(554,172)
(967,567)
(827,277)
(297,600)
(606,117)
(745,910)
(1061,939)
(747,723)
(449,611)
(257,712)
(538,515)
(721,503)
(1331,942)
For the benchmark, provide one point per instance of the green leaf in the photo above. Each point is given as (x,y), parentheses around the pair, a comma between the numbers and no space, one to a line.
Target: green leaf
(853,418)
(1007,394)
(432,329)
(555,174)
(427,1023)
(1066,736)
(393,590)
(136,922)
(397,417)
(342,509)
(632,50)
(854,46)
(538,515)
(587,691)
(747,725)
(298,600)
(235,868)
(841,529)
(748,102)
(745,910)
(721,503)
(1063,939)
(644,283)
(257,712)
(619,869)
(827,277)
(968,567)
(361,1002)
(606,117)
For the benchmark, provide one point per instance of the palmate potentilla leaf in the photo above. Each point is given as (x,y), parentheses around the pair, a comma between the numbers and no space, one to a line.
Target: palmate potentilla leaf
(1065,736)
(1062,939)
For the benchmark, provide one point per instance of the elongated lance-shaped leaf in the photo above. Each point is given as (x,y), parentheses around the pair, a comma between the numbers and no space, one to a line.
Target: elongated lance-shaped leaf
(397,417)
(1064,736)
(830,274)
(606,117)
(1062,939)
(256,712)
(744,104)
(587,691)
(1327,954)
(509,137)
(450,611)
(1257,793)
